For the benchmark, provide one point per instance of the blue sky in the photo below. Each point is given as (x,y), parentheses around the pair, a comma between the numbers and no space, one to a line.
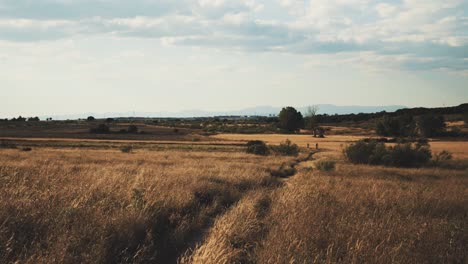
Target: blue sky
(72,56)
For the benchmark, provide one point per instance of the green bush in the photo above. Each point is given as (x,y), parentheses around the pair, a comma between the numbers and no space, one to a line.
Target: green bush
(257,147)
(325,165)
(126,149)
(442,158)
(400,155)
(361,152)
(284,171)
(287,148)
(8,144)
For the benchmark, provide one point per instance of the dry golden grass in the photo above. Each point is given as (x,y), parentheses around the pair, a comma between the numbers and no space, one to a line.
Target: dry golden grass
(74,206)
(103,206)
(361,214)
(357,214)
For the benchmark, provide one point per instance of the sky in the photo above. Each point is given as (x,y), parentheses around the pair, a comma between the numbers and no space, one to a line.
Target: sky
(75,56)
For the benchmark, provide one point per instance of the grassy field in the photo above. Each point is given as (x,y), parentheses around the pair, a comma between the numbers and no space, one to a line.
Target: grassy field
(84,201)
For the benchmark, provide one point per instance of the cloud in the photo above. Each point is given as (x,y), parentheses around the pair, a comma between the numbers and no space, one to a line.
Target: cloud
(430,34)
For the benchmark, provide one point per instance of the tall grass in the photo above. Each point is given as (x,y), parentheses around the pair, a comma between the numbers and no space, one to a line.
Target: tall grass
(104,206)
(110,207)
(357,214)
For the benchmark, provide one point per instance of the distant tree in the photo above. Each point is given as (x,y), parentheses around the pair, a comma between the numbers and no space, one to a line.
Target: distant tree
(33,119)
(311,122)
(430,125)
(18,119)
(401,126)
(290,119)
(110,120)
(90,118)
(465,118)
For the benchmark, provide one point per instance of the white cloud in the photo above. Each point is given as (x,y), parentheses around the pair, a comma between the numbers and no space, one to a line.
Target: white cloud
(414,29)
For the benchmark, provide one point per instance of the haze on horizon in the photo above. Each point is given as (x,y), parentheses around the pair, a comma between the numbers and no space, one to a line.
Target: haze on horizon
(76,56)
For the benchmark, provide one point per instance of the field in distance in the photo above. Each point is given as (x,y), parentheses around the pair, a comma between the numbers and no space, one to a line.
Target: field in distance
(175,199)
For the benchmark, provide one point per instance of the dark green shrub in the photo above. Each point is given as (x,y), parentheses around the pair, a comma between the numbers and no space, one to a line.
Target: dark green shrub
(257,147)
(400,155)
(431,126)
(325,165)
(8,144)
(126,149)
(284,171)
(407,155)
(400,126)
(287,148)
(442,157)
(361,152)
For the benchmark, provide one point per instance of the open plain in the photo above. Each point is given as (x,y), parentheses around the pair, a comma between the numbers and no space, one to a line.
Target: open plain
(86,201)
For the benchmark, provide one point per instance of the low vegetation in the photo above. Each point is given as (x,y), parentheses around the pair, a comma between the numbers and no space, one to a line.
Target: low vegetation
(126,149)
(286,148)
(325,165)
(100,129)
(101,206)
(400,155)
(257,147)
(183,196)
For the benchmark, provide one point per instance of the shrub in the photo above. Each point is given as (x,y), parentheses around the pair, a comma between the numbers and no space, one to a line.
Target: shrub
(284,171)
(101,129)
(401,126)
(132,129)
(361,151)
(126,149)
(407,155)
(431,126)
(287,148)
(465,119)
(400,155)
(325,165)
(7,144)
(257,147)
(26,149)
(442,156)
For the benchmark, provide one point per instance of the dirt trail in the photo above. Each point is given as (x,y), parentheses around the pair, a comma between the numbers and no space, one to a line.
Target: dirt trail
(284,171)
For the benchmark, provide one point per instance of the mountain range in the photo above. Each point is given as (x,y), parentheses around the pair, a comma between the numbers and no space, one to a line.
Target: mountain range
(258,110)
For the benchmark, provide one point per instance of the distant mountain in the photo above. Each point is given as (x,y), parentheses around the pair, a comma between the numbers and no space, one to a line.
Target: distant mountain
(258,110)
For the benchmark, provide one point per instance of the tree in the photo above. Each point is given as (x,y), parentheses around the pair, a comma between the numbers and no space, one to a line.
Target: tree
(311,121)
(401,126)
(33,119)
(90,118)
(465,119)
(430,125)
(290,119)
